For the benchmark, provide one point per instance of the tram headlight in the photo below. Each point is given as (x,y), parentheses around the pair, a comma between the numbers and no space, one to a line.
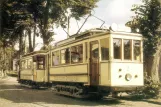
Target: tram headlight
(128,77)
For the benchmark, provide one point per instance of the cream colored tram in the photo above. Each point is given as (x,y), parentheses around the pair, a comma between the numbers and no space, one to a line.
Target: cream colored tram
(97,61)
(34,69)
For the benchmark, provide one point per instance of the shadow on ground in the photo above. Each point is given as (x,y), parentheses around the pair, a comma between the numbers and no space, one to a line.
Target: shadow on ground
(140,98)
(18,94)
(12,91)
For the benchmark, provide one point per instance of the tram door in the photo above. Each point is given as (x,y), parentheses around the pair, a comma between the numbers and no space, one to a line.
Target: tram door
(39,68)
(40,72)
(94,63)
(34,68)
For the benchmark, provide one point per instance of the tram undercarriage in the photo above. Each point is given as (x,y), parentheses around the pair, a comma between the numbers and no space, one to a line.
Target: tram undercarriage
(79,90)
(34,85)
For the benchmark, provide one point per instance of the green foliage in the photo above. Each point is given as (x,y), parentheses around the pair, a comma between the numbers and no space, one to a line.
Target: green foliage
(6,52)
(151,88)
(148,19)
(57,12)
(27,13)
(14,18)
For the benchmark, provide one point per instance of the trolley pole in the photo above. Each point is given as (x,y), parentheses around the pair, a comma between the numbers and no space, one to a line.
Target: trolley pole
(68,25)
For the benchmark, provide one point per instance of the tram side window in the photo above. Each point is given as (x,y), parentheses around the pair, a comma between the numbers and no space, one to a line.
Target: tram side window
(86,51)
(137,50)
(65,56)
(29,63)
(117,48)
(104,48)
(23,64)
(127,49)
(40,62)
(55,58)
(77,54)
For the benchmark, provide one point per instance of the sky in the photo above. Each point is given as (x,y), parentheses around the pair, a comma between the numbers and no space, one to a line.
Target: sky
(110,11)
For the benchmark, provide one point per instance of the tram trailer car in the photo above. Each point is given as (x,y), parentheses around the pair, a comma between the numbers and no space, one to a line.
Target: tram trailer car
(96,62)
(33,70)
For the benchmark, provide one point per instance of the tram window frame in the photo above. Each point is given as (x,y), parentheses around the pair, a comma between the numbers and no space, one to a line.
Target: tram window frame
(23,64)
(29,63)
(65,56)
(26,64)
(134,50)
(120,56)
(130,51)
(107,46)
(40,63)
(86,51)
(79,52)
(57,61)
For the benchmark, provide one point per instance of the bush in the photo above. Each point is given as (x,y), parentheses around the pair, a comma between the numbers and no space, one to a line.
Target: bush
(150,89)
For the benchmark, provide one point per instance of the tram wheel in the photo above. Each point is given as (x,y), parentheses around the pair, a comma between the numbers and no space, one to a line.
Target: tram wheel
(115,94)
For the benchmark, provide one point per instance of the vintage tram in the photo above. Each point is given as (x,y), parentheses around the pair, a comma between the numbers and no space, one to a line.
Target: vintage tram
(97,61)
(33,69)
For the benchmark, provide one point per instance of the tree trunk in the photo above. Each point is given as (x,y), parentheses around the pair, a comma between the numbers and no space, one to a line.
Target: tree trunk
(153,65)
(160,69)
(34,37)
(148,65)
(20,45)
(45,23)
(0,18)
(30,40)
(44,36)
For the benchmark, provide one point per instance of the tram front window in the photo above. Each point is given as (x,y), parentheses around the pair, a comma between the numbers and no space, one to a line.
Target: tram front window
(104,48)
(117,48)
(127,49)
(137,50)
(40,62)
(23,64)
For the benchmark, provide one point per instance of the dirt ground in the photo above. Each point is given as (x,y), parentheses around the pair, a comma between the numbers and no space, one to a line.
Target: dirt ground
(13,94)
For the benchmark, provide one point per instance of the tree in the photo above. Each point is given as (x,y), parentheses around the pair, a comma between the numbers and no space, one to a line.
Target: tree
(15,19)
(47,12)
(43,13)
(12,18)
(148,19)
(19,15)
(6,52)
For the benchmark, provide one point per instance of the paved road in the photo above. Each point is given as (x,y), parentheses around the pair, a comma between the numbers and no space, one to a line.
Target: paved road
(14,95)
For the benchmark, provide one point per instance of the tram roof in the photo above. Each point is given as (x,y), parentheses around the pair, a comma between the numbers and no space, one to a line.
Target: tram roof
(36,52)
(87,33)
(92,32)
